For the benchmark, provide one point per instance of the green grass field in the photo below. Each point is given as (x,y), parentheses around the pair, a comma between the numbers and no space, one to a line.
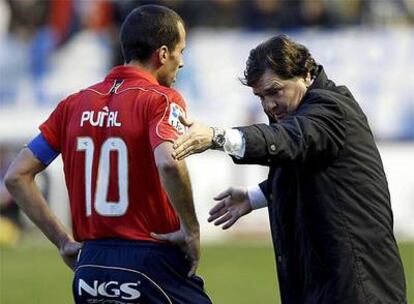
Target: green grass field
(238,272)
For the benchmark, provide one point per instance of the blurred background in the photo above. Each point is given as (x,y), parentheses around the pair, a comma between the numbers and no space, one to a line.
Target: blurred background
(50,49)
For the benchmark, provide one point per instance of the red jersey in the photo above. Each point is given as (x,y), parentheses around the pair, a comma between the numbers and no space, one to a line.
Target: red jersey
(106,135)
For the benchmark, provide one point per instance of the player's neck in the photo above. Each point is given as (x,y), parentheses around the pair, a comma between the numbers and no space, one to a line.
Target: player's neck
(148,67)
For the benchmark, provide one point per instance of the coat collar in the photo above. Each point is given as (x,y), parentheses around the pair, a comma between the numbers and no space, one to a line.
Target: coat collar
(321,81)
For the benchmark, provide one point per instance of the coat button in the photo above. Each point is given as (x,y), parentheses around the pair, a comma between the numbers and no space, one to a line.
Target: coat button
(279,258)
(272,147)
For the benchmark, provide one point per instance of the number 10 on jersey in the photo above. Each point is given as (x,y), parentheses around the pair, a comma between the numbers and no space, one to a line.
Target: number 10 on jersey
(101,205)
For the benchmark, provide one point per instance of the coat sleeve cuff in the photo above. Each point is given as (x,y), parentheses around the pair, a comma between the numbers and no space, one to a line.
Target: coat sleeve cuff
(256,197)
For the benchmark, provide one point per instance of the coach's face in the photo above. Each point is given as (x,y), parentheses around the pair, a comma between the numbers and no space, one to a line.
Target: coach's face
(280,97)
(172,60)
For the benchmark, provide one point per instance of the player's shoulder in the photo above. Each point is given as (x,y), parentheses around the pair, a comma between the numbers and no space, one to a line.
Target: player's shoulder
(166,91)
(74,98)
(170,95)
(101,88)
(68,100)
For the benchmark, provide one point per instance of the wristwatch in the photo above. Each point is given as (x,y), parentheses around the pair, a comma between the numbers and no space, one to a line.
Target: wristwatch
(219,138)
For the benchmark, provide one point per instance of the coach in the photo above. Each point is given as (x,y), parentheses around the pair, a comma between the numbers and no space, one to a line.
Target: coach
(327,194)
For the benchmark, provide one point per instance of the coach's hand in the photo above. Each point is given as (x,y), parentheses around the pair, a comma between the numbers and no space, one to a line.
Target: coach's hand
(197,139)
(188,242)
(233,204)
(69,250)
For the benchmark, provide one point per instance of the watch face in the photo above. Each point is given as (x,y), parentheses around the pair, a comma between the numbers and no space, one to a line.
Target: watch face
(220,140)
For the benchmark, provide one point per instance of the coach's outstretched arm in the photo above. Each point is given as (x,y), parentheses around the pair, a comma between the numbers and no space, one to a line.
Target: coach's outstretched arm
(175,180)
(20,181)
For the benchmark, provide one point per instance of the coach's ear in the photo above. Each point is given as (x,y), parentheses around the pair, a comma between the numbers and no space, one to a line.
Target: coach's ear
(308,79)
(163,54)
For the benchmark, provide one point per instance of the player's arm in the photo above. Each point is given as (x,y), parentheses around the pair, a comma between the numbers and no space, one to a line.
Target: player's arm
(176,182)
(20,181)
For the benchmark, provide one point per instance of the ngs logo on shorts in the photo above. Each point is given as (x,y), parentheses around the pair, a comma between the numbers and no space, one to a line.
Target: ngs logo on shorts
(111,292)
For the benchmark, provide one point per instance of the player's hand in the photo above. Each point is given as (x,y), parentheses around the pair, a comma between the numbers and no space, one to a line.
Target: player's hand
(69,250)
(188,242)
(233,204)
(197,139)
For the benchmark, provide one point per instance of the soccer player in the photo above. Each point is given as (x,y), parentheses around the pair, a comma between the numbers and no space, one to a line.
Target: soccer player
(125,190)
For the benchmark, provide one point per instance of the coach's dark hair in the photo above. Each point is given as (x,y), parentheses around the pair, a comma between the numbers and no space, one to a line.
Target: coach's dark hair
(285,57)
(146,29)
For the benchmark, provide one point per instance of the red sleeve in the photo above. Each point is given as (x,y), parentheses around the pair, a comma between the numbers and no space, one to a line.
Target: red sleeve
(52,127)
(164,124)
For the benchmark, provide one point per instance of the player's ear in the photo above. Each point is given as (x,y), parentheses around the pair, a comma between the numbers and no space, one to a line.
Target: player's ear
(163,54)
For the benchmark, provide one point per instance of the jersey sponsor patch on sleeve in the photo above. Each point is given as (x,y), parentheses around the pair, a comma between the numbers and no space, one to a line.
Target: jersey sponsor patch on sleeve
(175,112)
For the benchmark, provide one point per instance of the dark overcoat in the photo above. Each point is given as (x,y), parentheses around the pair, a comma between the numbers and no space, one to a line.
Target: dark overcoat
(329,204)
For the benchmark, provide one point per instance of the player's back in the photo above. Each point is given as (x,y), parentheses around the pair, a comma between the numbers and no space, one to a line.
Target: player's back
(106,135)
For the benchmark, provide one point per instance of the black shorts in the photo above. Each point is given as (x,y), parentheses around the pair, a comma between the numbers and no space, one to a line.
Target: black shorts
(126,272)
